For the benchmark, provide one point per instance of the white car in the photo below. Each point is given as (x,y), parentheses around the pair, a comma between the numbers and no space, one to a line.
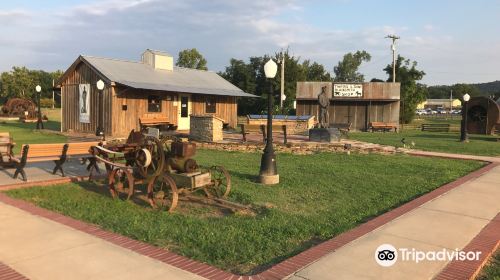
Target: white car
(421,112)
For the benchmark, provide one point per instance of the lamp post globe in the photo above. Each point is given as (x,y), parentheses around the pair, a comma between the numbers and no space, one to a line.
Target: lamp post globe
(100,85)
(268,174)
(270,69)
(100,125)
(463,129)
(39,121)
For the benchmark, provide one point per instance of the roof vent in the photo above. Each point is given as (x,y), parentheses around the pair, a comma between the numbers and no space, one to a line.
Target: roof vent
(158,59)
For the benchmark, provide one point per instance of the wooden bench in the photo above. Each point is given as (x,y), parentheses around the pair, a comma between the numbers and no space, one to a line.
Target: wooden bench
(344,128)
(436,127)
(6,148)
(153,121)
(383,126)
(58,153)
(246,129)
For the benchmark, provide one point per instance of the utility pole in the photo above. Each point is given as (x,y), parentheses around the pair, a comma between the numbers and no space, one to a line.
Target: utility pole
(451,101)
(393,47)
(282,88)
(53,98)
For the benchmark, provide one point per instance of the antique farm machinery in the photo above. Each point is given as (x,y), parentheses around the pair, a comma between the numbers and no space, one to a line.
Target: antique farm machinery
(167,171)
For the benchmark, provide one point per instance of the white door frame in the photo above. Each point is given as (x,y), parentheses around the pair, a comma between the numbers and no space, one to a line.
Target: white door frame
(183,122)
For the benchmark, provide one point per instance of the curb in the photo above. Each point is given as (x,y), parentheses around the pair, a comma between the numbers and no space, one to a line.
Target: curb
(487,242)
(7,273)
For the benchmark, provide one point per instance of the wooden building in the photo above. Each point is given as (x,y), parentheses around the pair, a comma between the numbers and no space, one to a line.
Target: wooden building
(356,104)
(150,88)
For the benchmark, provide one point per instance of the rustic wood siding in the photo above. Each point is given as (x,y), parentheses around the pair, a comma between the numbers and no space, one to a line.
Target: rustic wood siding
(380,91)
(353,112)
(226,108)
(70,99)
(119,122)
(136,102)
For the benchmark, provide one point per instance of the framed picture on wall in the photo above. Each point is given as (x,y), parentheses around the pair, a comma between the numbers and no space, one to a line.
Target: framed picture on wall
(84,103)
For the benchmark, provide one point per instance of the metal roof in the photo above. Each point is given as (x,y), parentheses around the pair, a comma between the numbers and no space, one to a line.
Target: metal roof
(142,76)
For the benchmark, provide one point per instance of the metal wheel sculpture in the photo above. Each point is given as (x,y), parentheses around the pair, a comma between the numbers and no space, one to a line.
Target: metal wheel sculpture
(117,180)
(150,160)
(162,193)
(220,182)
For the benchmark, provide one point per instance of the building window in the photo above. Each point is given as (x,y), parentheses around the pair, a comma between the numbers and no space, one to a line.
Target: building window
(210,105)
(154,104)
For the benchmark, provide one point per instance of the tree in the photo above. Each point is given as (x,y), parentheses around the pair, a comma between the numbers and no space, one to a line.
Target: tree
(347,69)
(21,82)
(460,89)
(250,78)
(191,58)
(412,93)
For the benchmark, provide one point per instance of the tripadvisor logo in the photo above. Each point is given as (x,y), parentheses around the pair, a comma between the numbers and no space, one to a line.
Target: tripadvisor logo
(387,255)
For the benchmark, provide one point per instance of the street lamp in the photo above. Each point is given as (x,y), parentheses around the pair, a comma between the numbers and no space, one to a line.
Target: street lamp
(463,131)
(39,122)
(268,174)
(100,126)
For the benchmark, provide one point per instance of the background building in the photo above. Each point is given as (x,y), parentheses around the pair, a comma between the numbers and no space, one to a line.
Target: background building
(152,87)
(357,104)
(440,103)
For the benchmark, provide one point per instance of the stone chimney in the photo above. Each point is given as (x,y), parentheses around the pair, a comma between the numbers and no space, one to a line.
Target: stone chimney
(158,59)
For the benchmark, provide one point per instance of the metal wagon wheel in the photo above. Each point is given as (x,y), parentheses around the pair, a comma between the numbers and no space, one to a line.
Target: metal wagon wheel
(150,159)
(221,182)
(116,179)
(162,193)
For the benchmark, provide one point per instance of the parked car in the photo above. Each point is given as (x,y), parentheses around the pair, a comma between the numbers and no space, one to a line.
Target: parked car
(431,112)
(441,111)
(421,112)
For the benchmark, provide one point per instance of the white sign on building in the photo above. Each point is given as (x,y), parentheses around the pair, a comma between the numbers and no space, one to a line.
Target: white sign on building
(347,90)
(84,103)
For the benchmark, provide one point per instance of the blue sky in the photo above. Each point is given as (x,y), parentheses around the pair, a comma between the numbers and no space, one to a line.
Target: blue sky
(452,41)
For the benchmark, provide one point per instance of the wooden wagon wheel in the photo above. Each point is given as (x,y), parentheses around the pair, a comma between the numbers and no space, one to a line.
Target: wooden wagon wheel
(162,193)
(151,158)
(116,179)
(221,182)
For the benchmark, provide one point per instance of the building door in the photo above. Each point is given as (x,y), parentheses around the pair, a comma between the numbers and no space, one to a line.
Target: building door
(183,112)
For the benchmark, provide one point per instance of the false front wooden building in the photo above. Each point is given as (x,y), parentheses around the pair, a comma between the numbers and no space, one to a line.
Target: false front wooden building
(150,89)
(352,104)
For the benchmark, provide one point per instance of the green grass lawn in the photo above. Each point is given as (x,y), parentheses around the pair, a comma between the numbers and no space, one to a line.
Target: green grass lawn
(492,270)
(25,133)
(319,196)
(434,141)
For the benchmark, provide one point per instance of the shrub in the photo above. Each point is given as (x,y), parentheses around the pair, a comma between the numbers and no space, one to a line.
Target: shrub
(46,102)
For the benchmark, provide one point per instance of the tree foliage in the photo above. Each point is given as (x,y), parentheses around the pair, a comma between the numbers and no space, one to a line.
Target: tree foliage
(21,82)
(347,69)
(250,78)
(412,92)
(191,58)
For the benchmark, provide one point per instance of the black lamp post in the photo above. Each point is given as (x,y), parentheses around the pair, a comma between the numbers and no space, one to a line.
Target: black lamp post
(268,174)
(100,125)
(39,121)
(463,129)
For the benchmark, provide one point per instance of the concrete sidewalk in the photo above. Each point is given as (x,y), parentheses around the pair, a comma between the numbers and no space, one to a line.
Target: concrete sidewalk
(42,171)
(39,248)
(450,221)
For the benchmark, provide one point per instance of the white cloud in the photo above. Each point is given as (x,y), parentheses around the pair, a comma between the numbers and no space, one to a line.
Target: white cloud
(221,29)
